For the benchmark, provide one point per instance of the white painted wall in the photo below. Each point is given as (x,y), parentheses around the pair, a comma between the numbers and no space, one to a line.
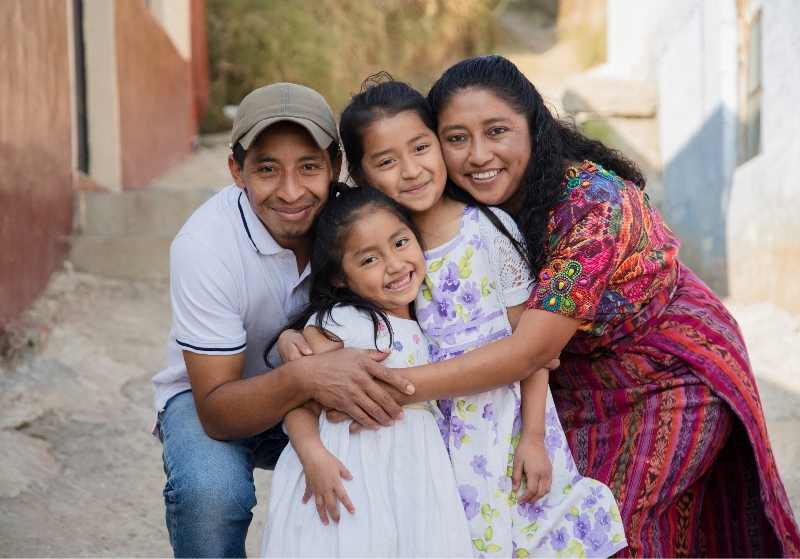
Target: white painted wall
(697,112)
(175,17)
(764,210)
(631,49)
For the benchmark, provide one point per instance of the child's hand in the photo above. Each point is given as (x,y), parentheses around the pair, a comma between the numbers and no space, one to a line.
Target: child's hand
(324,473)
(531,458)
(292,345)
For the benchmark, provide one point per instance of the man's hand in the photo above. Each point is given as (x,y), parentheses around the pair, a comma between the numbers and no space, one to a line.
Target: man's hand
(532,460)
(292,345)
(345,380)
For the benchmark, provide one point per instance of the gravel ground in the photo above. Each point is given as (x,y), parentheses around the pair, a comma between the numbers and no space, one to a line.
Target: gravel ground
(82,476)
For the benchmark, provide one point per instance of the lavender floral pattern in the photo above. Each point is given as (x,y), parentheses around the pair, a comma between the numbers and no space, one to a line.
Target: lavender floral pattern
(459,310)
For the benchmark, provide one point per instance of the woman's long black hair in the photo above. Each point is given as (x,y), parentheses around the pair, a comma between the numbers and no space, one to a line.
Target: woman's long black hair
(382,97)
(555,144)
(333,227)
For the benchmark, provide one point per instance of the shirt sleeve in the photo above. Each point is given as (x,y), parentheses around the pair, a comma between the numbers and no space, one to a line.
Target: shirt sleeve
(355,328)
(512,272)
(583,251)
(206,311)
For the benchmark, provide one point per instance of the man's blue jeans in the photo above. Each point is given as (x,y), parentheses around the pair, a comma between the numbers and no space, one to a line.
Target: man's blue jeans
(210,492)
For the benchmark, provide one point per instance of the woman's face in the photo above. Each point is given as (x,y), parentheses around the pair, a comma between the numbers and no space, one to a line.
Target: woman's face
(486,145)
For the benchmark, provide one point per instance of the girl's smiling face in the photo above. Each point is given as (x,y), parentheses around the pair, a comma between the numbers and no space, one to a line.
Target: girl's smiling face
(403,159)
(383,262)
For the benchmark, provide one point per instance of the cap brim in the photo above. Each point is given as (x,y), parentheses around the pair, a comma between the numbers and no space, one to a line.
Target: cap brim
(321,138)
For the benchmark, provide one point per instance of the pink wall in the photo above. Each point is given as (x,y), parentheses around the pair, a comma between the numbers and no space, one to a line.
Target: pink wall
(157,107)
(35,148)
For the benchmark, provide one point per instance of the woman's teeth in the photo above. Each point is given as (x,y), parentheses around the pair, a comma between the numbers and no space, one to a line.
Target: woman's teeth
(484,176)
(401,282)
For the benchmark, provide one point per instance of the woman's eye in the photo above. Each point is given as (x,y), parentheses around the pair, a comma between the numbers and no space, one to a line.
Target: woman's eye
(401,242)
(455,138)
(497,131)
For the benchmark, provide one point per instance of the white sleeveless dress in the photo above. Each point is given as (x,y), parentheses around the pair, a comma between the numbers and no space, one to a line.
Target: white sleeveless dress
(403,489)
(470,282)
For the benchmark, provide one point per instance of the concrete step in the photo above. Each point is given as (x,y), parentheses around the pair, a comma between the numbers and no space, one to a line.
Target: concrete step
(141,212)
(128,235)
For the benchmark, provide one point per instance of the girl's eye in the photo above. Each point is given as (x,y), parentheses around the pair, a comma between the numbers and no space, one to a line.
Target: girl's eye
(401,242)
(386,162)
(456,138)
(421,147)
(497,131)
(369,260)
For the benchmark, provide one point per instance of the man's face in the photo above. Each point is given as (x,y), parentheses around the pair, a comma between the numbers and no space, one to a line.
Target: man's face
(286,178)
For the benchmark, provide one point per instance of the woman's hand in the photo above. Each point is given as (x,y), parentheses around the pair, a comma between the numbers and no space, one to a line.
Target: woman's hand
(324,473)
(292,345)
(532,460)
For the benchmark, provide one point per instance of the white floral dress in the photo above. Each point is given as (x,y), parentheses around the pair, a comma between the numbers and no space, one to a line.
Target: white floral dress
(469,284)
(403,489)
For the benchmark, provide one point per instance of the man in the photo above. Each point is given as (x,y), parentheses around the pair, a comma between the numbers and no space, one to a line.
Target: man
(238,269)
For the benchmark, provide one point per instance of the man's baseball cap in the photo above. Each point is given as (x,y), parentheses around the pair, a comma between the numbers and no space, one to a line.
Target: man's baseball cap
(284,102)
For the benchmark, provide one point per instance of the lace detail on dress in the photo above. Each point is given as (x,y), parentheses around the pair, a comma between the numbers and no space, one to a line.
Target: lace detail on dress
(512,273)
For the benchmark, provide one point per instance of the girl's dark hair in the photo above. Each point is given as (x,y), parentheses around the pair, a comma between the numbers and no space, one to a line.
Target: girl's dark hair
(333,227)
(555,143)
(382,97)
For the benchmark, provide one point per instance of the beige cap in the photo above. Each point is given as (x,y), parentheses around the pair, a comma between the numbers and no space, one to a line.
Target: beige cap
(284,101)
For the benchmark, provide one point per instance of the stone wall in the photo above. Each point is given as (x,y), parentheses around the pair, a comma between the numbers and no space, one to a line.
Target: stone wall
(35,147)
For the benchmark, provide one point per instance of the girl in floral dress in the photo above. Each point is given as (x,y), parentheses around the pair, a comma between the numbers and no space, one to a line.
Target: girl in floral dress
(475,288)
(367,269)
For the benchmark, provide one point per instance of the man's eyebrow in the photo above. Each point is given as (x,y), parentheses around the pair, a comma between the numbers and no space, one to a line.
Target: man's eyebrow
(312,156)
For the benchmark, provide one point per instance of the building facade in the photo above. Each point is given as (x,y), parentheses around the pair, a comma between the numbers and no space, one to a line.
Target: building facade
(94,95)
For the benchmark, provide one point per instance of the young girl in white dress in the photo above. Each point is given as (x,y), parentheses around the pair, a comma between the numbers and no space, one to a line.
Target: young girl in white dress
(399,489)
(476,281)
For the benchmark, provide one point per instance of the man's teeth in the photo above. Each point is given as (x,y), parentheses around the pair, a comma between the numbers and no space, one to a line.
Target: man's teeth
(484,176)
(399,283)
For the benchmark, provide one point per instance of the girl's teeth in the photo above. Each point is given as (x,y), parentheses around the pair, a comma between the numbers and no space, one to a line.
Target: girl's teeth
(396,284)
(483,176)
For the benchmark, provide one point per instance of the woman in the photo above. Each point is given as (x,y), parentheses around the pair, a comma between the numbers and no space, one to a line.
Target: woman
(655,389)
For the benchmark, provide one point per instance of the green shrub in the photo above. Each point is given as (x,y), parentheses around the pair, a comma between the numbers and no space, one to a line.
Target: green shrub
(332,45)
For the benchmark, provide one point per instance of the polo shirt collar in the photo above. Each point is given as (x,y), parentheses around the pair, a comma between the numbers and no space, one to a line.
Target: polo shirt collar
(256,232)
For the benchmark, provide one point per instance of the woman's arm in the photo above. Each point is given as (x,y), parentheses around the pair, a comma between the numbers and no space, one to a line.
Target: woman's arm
(539,337)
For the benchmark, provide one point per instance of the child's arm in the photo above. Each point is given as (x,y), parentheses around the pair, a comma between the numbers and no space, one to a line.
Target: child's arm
(531,456)
(323,471)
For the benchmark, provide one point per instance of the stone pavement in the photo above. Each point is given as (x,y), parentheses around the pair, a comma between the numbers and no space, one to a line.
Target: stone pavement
(81,474)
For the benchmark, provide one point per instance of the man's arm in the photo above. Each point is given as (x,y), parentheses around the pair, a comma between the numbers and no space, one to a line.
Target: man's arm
(230,407)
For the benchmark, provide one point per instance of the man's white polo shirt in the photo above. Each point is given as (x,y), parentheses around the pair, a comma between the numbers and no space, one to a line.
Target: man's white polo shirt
(233,287)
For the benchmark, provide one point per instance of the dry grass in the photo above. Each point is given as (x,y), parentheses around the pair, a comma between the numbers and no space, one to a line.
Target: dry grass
(332,45)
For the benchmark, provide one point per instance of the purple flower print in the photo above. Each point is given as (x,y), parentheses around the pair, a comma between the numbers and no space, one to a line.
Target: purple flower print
(479,466)
(476,242)
(602,519)
(457,429)
(446,407)
(559,539)
(449,280)
(473,213)
(581,526)
(488,412)
(470,295)
(534,511)
(476,315)
(444,432)
(398,346)
(597,542)
(591,499)
(551,418)
(469,501)
(551,442)
(444,306)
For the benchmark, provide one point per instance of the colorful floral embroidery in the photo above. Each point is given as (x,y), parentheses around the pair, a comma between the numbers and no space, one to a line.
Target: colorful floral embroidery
(610,252)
